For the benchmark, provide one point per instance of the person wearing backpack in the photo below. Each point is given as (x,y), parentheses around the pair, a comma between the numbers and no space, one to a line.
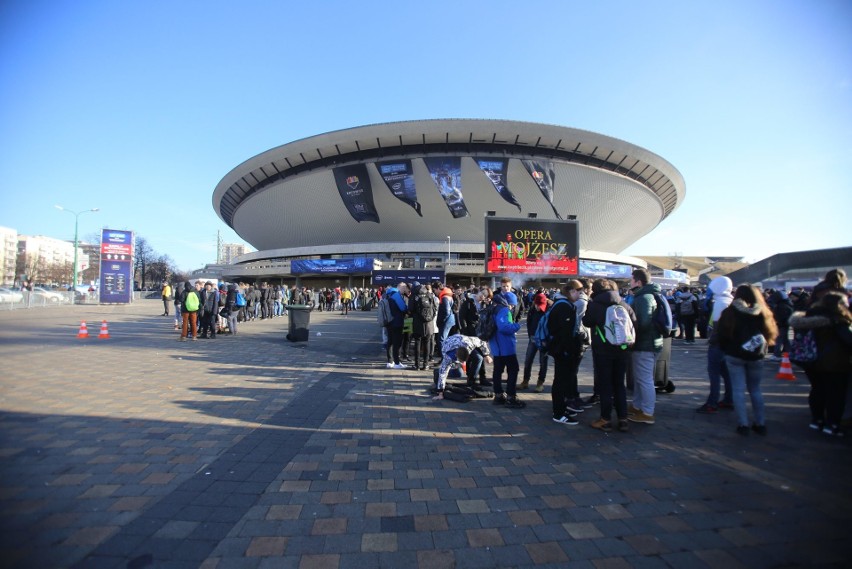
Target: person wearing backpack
(191,303)
(564,349)
(610,361)
(831,322)
(231,310)
(539,307)
(399,307)
(648,345)
(209,311)
(468,314)
(746,329)
(687,312)
(423,310)
(503,347)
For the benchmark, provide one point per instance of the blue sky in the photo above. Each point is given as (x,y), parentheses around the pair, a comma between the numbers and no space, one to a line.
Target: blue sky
(140,108)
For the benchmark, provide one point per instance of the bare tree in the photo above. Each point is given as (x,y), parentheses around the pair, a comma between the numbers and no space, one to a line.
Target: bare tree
(58,273)
(32,265)
(160,269)
(144,256)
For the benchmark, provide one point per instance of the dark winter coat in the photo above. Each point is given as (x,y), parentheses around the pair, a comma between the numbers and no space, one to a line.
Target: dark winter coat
(737,324)
(562,324)
(421,295)
(595,318)
(833,339)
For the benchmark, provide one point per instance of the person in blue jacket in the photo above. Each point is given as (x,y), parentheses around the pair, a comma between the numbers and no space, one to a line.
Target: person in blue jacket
(504,351)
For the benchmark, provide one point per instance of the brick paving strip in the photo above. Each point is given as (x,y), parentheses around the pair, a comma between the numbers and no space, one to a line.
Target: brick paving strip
(319,457)
(185,527)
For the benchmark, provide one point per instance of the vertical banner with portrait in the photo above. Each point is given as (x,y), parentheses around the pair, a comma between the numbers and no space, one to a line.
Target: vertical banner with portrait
(353,184)
(544,177)
(495,169)
(446,173)
(399,178)
(116,267)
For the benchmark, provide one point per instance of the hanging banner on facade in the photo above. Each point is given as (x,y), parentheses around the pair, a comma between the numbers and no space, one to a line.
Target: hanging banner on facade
(399,177)
(116,266)
(332,266)
(602,269)
(353,183)
(544,177)
(531,246)
(446,172)
(422,276)
(495,169)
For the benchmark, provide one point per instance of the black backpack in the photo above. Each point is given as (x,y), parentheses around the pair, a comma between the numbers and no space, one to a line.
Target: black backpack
(487,325)
(426,307)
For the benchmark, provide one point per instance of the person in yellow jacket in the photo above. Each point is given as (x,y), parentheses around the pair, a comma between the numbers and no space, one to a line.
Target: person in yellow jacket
(346,300)
(167,298)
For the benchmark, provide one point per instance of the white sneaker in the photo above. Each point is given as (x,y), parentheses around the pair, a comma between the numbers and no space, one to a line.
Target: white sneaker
(400,366)
(389,365)
(566,420)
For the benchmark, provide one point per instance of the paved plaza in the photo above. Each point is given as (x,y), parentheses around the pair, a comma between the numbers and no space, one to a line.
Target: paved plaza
(250,451)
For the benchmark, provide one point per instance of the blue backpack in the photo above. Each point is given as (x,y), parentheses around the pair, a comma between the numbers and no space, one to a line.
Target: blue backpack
(663,321)
(542,338)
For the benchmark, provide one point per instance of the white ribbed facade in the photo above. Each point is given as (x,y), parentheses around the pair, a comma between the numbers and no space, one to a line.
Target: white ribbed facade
(285,202)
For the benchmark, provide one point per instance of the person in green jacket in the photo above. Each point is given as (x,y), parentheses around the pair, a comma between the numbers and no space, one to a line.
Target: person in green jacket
(649,343)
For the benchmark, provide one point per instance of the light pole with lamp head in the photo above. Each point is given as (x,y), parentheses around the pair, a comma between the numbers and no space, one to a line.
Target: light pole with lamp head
(76,215)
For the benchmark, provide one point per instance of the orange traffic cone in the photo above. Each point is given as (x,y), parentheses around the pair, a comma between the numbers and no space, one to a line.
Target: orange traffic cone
(104,335)
(84,332)
(786,371)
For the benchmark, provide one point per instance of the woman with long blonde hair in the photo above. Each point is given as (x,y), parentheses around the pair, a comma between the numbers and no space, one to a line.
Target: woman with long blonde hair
(746,330)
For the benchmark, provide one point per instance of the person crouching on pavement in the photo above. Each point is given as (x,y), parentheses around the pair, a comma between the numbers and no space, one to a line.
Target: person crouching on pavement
(468,349)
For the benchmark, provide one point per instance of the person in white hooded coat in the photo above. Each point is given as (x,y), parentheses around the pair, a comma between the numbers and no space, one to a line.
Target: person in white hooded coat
(717,370)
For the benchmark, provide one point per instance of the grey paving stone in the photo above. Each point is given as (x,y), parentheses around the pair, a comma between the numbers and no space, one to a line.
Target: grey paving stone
(689,480)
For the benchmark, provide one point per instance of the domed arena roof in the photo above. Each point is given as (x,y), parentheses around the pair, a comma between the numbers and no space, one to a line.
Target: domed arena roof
(313,192)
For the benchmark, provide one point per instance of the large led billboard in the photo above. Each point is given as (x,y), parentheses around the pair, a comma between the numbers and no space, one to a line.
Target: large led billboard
(531,246)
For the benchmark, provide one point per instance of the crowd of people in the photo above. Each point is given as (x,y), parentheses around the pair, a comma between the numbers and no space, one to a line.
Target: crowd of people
(205,309)
(443,327)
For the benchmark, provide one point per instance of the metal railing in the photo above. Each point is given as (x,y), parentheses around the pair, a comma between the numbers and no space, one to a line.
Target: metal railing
(22,300)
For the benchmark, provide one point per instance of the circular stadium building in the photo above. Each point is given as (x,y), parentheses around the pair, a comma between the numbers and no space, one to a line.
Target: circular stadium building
(416,195)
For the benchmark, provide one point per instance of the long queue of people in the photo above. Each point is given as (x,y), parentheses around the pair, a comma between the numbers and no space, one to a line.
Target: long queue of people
(203,309)
(441,327)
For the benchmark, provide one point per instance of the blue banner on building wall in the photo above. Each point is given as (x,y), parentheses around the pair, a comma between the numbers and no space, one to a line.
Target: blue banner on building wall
(116,266)
(608,270)
(392,278)
(333,266)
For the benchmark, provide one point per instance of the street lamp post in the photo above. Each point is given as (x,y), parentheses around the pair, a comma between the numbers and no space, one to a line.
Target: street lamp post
(447,268)
(76,215)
